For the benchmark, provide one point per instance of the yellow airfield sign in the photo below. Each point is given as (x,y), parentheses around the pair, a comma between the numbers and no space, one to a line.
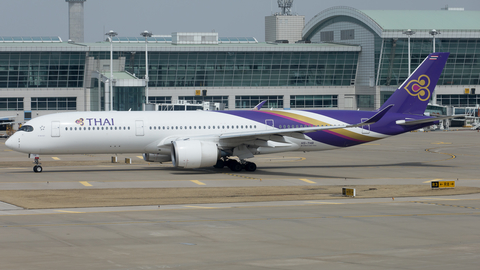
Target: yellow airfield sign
(443,184)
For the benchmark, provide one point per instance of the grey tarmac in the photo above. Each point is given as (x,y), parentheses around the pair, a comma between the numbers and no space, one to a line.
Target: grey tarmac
(422,232)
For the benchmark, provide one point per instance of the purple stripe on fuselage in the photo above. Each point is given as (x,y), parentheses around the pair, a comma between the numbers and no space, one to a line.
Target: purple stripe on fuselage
(257,116)
(350,117)
(289,118)
(324,136)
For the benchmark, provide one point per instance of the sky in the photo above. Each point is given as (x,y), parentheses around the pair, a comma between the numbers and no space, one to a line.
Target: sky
(162,17)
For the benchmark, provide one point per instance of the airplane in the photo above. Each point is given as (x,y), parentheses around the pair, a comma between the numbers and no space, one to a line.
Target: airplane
(196,139)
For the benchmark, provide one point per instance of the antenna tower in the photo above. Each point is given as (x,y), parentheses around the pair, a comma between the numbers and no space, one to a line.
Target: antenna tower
(286,6)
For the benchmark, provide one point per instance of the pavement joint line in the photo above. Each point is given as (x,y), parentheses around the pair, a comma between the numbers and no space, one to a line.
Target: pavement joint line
(305,203)
(426,198)
(240,219)
(200,207)
(324,202)
(70,212)
(198,182)
(448,205)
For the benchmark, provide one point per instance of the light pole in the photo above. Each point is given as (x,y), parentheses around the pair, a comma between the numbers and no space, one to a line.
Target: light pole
(409,32)
(110,35)
(434,32)
(146,35)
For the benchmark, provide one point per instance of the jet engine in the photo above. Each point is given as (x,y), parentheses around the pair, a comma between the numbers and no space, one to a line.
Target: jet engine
(150,157)
(194,154)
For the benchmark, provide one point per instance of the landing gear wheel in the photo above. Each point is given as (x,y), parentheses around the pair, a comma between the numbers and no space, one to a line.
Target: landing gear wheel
(250,166)
(235,165)
(37,168)
(220,164)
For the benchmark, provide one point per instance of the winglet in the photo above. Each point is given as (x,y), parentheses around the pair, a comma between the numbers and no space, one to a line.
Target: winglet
(374,118)
(259,106)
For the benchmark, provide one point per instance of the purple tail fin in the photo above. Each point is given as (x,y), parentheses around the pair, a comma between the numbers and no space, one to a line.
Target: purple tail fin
(413,95)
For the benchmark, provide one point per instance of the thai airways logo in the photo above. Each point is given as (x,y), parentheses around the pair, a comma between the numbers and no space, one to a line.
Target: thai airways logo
(79,121)
(419,88)
(95,121)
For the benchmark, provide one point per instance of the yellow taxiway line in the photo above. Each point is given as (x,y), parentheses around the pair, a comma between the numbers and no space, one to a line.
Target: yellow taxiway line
(308,181)
(198,182)
(85,183)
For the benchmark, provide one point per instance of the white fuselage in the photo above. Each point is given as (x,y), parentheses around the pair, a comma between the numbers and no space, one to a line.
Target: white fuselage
(146,132)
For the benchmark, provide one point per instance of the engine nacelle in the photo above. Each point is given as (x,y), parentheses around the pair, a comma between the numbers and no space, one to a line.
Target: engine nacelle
(194,154)
(149,157)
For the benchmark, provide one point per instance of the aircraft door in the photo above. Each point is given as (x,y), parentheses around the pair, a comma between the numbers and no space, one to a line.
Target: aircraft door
(139,127)
(55,129)
(366,128)
(269,122)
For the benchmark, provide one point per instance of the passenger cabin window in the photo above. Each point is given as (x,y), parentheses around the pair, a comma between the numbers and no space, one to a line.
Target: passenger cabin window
(26,128)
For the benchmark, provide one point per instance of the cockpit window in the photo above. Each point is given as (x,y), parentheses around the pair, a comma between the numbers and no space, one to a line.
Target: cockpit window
(26,128)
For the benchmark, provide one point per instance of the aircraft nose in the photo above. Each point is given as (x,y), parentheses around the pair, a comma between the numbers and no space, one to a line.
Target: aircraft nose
(10,142)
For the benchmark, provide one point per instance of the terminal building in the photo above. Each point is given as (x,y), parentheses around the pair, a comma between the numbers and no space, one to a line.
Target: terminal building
(346,59)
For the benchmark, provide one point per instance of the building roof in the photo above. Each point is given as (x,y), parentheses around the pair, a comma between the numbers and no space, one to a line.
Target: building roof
(168,47)
(392,23)
(425,19)
(47,39)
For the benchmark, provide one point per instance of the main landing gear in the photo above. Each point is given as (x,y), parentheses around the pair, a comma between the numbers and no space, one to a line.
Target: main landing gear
(236,166)
(37,168)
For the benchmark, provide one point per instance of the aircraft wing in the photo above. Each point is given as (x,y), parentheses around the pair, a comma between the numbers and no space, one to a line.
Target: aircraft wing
(290,132)
(276,134)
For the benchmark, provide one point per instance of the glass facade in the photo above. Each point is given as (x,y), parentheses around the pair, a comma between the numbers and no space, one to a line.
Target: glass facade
(365,101)
(41,69)
(314,101)
(97,95)
(241,69)
(11,104)
(248,102)
(462,68)
(128,98)
(459,100)
(54,103)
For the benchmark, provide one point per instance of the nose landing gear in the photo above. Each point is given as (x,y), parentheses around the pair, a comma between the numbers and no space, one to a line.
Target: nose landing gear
(37,168)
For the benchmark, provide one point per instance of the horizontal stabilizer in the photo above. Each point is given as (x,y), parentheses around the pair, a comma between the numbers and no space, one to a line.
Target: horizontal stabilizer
(374,118)
(408,122)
